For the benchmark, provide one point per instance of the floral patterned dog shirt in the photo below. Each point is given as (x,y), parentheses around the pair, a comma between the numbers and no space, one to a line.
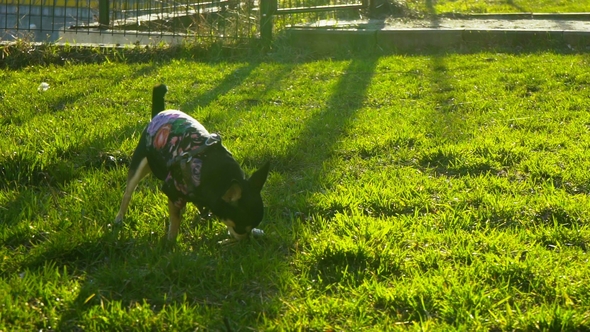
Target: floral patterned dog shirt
(170,134)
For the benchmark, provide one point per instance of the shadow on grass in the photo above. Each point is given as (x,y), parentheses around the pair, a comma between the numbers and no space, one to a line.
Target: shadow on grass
(37,185)
(253,95)
(448,120)
(37,182)
(316,143)
(118,272)
(321,132)
(431,10)
(55,105)
(517,7)
(337,264)
(29,175)
(453,164)
(306,157)
(24,170)
(230,283)
(231,81)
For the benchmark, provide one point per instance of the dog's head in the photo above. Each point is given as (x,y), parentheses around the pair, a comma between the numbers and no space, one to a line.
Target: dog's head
(243,207)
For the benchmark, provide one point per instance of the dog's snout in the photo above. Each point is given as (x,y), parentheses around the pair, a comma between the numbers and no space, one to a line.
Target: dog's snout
(237,235)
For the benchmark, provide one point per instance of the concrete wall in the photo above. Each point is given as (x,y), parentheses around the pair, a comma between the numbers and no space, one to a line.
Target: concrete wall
(323,40)
(110,37)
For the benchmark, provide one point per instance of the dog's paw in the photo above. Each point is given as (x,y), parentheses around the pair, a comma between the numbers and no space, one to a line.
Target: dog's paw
(118,220)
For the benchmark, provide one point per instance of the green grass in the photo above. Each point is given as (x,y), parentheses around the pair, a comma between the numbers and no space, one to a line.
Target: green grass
(437,191)
(498,6)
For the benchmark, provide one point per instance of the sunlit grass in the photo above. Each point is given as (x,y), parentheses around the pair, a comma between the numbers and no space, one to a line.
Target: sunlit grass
(429,191)
(498,6)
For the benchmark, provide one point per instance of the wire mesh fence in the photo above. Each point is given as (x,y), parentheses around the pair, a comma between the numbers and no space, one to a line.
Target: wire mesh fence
(47,20)
(216,19)
(40,20)
(43,20)
(312,12)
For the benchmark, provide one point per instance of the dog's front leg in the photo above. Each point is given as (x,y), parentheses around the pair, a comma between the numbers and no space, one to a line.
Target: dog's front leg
(133,178)
(175,216)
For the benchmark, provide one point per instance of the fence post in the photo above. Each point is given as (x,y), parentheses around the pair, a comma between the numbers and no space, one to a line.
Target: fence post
(267,10)
(103,13)
(369,6)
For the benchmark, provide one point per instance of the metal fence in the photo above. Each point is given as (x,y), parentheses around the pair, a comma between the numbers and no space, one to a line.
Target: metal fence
(310,12)
(41,20)
(51,20)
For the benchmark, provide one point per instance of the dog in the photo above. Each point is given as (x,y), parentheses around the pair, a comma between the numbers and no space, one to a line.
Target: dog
(195,167)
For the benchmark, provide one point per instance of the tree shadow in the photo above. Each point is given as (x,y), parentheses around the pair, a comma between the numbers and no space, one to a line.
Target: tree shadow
(321,133)
(116,267)
(236,78)
(254,96)
(38,185)
(565,25)
(447,119)
(24,170)
(431,10)
(68,97)
(517,7)
(120,270)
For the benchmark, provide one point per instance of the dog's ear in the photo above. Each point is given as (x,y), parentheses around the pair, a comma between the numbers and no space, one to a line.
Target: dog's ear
(233,194)
(259,177)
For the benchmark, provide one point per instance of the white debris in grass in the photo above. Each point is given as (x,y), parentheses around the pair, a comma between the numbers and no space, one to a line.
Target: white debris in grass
(43,87)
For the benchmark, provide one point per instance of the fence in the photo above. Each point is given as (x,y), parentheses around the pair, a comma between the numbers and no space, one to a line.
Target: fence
(48,20)
(284,13)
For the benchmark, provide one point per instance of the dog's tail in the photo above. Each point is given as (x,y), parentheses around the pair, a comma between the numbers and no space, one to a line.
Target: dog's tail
(158,99)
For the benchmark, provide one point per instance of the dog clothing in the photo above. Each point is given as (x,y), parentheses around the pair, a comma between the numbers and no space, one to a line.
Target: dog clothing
(169,135)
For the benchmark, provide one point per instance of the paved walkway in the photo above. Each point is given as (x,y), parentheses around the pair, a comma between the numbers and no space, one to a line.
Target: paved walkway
(475,22)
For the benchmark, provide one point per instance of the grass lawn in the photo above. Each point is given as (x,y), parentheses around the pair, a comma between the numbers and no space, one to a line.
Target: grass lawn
(499,6)
(442,191)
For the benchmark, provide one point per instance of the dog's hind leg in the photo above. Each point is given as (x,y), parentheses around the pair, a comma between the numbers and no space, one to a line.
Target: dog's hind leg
(133,177)
(175,216)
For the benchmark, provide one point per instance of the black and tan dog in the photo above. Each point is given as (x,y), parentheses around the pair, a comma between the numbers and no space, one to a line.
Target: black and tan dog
(195,167)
